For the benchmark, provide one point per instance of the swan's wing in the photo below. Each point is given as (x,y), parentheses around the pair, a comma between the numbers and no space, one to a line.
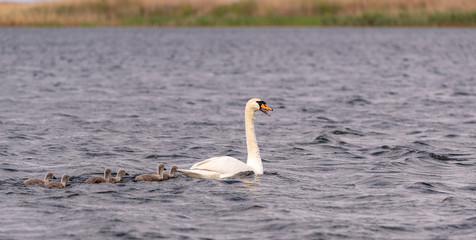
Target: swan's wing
(200,174)
(224,166)
(205,163)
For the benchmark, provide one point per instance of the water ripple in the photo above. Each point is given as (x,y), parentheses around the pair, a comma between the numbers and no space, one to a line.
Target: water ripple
(370,137)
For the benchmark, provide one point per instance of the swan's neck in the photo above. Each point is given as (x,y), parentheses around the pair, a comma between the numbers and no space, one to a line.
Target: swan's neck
(254,158)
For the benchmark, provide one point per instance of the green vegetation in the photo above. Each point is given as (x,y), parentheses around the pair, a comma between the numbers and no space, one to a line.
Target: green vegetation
(365,19)
(241,13)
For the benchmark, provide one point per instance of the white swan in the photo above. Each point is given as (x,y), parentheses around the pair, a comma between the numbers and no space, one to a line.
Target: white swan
(225,167)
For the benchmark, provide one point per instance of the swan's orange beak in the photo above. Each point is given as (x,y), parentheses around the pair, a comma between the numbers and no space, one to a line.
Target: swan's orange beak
(264,108)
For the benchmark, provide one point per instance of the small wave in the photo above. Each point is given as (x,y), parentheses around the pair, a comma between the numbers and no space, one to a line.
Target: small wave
(321,139)
(153,235)
(236,199)
(347,131)
(462,93)
(298,149)
(106,192)
(378,153)
(165,156)
(184,229)
(73,195)
(101,154)
(421,143)
(123,149)
(443,157)
(452,136)
(395,228)
(429,188)
(9,170)
(197,123)
(358,101)
(325,119)
(123,235)
(271,173)
(66,115)
(311,110)
(56,148)
(23,137)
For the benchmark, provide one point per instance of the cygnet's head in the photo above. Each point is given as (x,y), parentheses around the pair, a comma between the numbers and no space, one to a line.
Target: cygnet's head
(107,172)
(121,172)
(49,175)
(173,169)
(257,104)
(65,178)
(160,167)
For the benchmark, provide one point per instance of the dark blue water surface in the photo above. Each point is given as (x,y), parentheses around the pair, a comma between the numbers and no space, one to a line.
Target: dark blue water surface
(373,134)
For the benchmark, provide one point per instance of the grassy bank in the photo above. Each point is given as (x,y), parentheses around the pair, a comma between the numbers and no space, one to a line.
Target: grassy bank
(240,13)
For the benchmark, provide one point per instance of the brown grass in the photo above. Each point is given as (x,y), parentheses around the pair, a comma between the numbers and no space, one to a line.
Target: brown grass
(359,6)
(180,12)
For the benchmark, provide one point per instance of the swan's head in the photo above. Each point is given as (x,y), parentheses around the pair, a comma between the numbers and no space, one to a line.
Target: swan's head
(173,170)
(257,104)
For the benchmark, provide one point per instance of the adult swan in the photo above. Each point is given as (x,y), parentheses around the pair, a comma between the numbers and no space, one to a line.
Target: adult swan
(225,167)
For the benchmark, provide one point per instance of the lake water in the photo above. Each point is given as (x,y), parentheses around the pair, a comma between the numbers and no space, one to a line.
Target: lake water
(372,134)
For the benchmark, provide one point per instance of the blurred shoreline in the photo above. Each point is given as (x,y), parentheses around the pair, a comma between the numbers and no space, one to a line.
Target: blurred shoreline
(433,13)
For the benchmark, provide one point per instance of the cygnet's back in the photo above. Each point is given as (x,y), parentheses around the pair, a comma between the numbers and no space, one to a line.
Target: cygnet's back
(152,177)
(118,176)
(48,176)
(171,174)
(107,175)
(61,184)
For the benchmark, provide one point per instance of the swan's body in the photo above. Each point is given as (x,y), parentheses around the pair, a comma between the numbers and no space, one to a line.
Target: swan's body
(48,176)
(171,173)
(107,175)
(118,176)
(225,167)
(152,177)
(61,184)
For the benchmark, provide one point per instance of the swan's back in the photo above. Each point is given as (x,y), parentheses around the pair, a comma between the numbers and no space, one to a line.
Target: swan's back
(225,166)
